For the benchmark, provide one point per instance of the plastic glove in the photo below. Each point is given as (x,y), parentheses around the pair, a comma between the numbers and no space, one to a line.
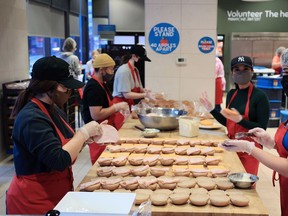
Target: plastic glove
(121,106)
(150,96)
(263,137)
(238,146)
(91,129)
(205,102)
(233,117)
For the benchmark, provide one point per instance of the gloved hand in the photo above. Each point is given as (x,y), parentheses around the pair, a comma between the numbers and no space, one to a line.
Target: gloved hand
(205,102)
(121,106)
(263,137)
(235,116)
(150,95)
(238,146)
(91,129)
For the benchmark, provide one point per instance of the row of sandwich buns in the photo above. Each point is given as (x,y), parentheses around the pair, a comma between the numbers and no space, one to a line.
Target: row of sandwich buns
(217,192)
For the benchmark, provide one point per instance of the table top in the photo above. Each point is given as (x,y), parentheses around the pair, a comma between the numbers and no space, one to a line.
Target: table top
(229,159)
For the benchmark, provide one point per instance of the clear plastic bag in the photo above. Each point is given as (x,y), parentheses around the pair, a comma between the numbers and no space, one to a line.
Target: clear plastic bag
(143,210)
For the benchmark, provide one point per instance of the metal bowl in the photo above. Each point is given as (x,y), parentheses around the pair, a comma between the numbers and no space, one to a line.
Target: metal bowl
(243,180)
(159,118)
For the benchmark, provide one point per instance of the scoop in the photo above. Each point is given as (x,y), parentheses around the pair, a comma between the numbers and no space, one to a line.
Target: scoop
(150,132)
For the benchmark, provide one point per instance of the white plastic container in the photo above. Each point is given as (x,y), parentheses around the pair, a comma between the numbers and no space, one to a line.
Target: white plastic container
(188,127)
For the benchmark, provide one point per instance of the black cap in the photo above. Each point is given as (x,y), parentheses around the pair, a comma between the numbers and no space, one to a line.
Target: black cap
(56,69)
(139,51)
(245,60)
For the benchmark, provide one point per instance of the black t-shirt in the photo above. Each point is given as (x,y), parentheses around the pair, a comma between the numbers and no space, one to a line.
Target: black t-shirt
(94,95)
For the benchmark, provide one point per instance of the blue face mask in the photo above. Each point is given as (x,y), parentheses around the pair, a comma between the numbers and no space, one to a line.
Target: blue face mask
(241,77)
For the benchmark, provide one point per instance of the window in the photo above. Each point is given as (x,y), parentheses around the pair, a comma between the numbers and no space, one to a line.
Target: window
(56,46)
(36,46)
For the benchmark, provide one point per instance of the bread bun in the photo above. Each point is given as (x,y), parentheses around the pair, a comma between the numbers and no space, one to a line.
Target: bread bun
(239,200)
(229,112)
(159,199)
(206,122)
(155,171)
(165,161)
(187,184)
(111,187)
(179,198)
(219,200)
(140,172)
(209,185)
(141,197)
(163,191)
(199,199)
(170,186)
(145,191)
(93,187)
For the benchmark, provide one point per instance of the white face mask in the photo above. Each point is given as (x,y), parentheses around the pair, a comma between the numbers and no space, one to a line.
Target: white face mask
(242,77)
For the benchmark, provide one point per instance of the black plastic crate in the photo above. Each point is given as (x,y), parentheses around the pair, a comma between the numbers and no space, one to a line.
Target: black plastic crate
(274,122)
(275,104)
(272,93)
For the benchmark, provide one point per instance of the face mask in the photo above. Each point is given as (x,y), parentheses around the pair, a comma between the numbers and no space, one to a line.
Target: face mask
(108,77)
(62,97)
(241,77)
(284,83)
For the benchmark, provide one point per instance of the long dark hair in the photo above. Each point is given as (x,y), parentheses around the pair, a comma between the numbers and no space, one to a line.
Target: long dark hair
(35,87)
(125,58)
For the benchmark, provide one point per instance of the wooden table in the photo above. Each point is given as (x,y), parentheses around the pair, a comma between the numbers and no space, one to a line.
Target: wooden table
(230,160)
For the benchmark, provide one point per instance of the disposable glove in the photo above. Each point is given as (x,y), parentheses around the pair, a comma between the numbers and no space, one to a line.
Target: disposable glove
(150,95)
(236,116)
(121,106)
(205,102)
(91,129)
(238,146)
(263,137)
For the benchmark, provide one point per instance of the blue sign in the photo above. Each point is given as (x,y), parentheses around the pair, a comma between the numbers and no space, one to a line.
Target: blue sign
(164,38)
(206,45)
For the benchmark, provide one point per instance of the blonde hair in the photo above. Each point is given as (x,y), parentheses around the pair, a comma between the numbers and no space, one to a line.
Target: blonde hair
(69,45)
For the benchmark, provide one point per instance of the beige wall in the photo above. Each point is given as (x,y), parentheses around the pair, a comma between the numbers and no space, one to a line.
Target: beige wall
(13,46)
(193,19)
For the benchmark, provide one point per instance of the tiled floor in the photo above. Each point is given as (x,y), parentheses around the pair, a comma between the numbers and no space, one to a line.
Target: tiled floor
(268,193)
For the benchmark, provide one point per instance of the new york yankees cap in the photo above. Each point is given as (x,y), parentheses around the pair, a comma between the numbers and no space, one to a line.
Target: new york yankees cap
(56,69)
(245,60)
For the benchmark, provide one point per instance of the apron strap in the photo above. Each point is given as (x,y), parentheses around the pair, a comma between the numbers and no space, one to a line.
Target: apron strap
(43,109)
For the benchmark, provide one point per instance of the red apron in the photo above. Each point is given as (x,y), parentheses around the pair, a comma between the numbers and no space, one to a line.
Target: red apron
(96,149)
(119,118)
(250,164)
(39,193)
(283,181)
(218,91)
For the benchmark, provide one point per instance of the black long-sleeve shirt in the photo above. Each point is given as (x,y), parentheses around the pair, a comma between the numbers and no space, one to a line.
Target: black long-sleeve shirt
(37,147)
(258,110)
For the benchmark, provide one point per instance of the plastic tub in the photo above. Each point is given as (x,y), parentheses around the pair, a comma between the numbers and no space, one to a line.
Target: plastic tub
(266,82)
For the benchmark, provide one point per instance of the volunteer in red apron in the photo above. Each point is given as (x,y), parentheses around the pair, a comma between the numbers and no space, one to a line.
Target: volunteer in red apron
(97,99)
(251,104)
(220,84)
(127,83)
(44,144)
(250,164)
(279,142)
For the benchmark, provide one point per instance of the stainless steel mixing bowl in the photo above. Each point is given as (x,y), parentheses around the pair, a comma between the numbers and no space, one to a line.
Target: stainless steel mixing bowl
(243,180)
(160,118)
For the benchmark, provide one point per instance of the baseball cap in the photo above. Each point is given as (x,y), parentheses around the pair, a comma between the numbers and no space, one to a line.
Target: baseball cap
(139,51)
(56,69)
(245,60)
(103,60)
